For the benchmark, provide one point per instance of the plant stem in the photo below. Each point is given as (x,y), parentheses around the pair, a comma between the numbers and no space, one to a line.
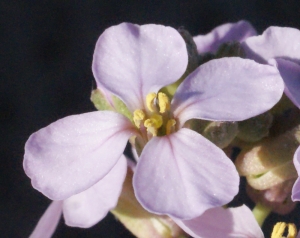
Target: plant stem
(260,213)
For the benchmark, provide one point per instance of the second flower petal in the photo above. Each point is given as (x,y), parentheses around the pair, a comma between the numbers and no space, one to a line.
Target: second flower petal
(290,72)
(90,206)
(228,89)
(132,61)
(183,175)
(72,154)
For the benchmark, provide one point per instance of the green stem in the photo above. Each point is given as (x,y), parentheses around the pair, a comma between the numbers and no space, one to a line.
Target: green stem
(260,213)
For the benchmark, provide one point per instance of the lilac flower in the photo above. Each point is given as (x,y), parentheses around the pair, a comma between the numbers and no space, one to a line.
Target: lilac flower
(238,31)
(218,222)
(280,46)
(177,168)
(238,222)
(87,208)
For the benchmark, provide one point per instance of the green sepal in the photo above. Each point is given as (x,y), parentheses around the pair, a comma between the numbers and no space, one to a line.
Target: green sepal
(121,107)
(100,102)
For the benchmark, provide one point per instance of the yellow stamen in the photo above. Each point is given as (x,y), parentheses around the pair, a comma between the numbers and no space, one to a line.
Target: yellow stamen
(138,117)
(163,102)
(170,126)
(153,123)
(150,102)
(279,229)
(292,231)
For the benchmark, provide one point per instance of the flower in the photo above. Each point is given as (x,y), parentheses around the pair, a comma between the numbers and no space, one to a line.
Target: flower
(280,47)
(238,31)
(238,222)
(175,173)
(87,208)
(219,222)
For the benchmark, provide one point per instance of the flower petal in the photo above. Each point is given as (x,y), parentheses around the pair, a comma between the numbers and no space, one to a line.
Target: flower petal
(275,42)
(132,61)
(72,154)
(183,174)
(48,222)
(238,31)
(92,205)
(228,89)
(290,73)
(296,187)
(237,222)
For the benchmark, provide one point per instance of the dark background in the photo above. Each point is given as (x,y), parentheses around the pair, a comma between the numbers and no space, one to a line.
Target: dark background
(45,73)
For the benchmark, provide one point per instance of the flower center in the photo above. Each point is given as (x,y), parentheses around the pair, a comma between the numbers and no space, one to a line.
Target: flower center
(280,227)
(157,119)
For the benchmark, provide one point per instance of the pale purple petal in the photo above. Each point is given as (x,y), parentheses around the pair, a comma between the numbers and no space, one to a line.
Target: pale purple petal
(237,222)
(290,73)
(275,42)
(132,61)
(48,222)
(89,207)
(228,89)
(72,154)
(296,188)
(184,174)
(238,31)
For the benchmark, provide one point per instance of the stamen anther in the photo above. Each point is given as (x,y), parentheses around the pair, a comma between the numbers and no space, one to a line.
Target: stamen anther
(163,102)
(280,227)
(153,123)
(292,230)
(138,117)
(150,102)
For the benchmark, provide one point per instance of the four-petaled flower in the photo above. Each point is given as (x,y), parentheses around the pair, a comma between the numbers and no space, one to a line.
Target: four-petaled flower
(179,172)
(219,222)
(228,32)
(280,46)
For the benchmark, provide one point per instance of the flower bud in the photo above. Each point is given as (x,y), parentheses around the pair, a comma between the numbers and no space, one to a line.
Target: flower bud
(230,49)
(191,49)
(283,113)
(269,170)
(269,162)
(255,128)
(192,62)
(221,133)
